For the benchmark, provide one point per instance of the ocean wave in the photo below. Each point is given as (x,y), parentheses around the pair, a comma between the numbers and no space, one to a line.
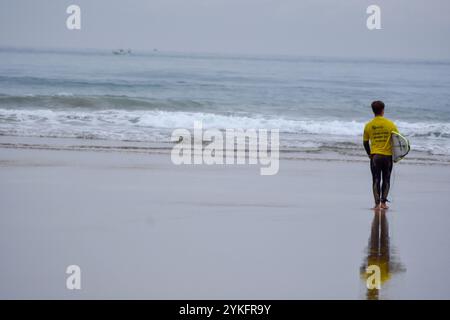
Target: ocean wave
(174,119)
(67,100)
(425,129)
(179,119)
(51,82)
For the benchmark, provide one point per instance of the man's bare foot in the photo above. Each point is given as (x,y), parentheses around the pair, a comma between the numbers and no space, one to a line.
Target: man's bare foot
(384,206)
(377,207)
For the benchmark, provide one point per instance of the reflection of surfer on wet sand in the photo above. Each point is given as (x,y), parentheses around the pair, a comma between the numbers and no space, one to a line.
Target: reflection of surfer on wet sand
(379,253)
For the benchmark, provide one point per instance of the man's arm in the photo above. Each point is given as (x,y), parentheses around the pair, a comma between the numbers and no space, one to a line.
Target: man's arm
(366,138)
(367,147)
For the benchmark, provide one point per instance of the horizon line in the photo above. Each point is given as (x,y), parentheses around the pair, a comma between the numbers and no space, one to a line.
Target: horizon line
(224,54)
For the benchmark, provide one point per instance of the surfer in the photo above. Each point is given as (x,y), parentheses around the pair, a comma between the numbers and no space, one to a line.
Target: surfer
(378,132)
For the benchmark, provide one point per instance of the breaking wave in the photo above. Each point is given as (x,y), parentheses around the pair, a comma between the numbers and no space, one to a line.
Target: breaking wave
(157,125)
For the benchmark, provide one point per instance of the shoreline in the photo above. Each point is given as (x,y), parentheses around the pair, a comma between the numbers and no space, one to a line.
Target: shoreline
(96,145)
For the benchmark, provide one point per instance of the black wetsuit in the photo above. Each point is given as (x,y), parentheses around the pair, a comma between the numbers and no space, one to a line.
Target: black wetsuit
(381,168)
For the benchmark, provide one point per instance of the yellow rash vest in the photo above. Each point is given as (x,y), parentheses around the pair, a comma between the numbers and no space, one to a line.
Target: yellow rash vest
(378,131)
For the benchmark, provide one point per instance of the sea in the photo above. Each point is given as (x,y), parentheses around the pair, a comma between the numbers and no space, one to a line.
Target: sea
(319,104)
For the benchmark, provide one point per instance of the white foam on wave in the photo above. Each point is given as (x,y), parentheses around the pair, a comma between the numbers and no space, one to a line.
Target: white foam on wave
(418,129)
(153,125)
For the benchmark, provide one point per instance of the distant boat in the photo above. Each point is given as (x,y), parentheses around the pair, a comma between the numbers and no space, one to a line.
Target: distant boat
(121,52)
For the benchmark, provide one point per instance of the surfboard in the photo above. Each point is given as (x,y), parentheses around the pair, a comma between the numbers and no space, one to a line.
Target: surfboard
(400,146)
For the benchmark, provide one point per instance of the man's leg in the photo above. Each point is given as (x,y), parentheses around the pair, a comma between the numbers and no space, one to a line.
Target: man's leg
(386,171)
(376,179)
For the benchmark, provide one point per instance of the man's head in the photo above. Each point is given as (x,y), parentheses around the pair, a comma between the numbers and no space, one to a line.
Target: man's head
(378,108)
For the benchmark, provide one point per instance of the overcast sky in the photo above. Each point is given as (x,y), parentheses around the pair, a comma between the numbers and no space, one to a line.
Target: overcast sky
(410,28)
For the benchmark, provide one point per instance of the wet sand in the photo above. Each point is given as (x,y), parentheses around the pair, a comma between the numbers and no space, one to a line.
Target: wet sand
(141,227)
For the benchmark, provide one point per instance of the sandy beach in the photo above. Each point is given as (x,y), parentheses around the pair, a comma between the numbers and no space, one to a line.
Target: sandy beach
(140,227)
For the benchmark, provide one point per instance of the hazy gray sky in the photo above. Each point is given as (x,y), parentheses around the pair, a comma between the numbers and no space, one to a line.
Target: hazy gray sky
(411,28)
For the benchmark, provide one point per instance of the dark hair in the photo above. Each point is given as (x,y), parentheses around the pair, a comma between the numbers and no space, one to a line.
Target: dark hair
(377,107)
